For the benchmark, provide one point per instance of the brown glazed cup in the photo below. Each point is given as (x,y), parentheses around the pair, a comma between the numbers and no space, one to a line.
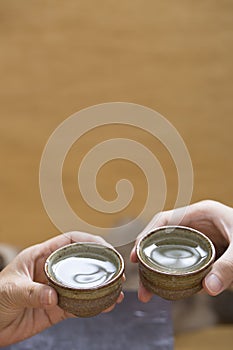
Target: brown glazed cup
(173,260)
(85,288)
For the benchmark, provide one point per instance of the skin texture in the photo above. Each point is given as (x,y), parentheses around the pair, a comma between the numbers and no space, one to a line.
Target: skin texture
(216,221)
(27,304)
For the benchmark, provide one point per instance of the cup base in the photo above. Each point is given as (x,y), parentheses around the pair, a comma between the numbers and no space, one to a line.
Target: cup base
(169,294)
(88,307)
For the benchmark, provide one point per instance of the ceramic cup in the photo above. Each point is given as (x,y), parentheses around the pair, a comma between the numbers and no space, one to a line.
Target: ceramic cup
(86,276)
(173,260)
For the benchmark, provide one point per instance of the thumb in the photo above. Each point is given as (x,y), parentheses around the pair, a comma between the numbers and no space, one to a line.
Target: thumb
(160,219)
(34,295)
(221,275)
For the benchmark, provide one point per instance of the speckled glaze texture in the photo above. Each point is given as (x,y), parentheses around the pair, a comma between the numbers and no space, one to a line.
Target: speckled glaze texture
(175,284)
(92,301)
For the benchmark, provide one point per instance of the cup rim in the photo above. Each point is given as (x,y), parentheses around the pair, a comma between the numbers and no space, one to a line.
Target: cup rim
(180,273)
(54,281)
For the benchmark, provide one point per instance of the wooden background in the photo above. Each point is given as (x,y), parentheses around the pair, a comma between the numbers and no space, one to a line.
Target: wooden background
(57,57)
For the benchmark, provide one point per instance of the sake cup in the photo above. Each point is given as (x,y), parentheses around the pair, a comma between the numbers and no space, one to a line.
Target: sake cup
(86,276)
(173,261)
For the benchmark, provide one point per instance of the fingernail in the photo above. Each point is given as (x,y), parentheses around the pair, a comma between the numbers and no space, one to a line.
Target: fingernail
(50,297)
(46,297)
(213,284)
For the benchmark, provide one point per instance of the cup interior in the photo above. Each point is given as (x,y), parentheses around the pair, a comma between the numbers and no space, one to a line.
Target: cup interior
(175,250)
(84,266)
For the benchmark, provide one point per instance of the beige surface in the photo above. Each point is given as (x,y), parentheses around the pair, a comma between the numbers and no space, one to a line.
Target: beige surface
(215,338)
(58,57)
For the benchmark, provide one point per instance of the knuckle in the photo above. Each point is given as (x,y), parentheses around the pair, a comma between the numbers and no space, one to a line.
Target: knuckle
(206,205)
(159,219)
(99,238)
(207,202)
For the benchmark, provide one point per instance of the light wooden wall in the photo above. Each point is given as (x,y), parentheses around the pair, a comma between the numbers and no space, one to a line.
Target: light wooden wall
(58,57)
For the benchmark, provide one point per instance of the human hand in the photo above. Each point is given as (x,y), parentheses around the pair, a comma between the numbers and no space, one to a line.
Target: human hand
(216,221)
(27,304)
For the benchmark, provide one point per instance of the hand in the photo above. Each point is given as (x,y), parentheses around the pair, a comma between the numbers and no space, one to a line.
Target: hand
(216,221)
(27,304)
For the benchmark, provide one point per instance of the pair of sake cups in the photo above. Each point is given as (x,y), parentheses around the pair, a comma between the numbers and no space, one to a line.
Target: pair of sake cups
(173,261)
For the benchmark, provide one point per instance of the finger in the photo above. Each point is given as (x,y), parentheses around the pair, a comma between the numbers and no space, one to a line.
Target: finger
(221,275)
(201,292)
(120,298)
(33,295)
(69,315)
(158,220)
(143,294)
(109,309)
(185,216)
(133,255)
(78,236)
(180,216)
(70,237)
